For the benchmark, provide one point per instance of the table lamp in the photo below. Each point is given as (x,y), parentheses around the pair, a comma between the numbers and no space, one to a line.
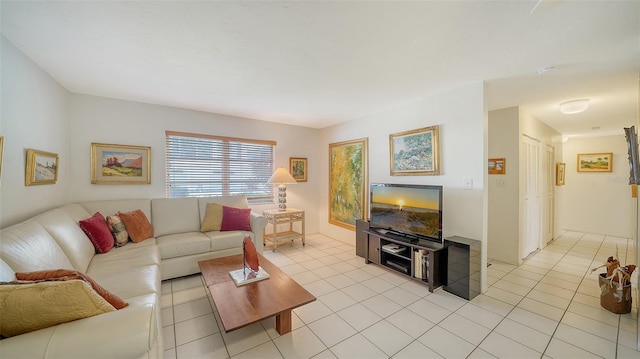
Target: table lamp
(281,177)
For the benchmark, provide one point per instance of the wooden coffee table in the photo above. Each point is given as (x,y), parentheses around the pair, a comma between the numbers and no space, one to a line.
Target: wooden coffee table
(249,303)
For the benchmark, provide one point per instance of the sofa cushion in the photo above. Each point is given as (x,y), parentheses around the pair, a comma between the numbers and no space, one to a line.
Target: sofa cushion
(28,247)
(235,219)
(212,218)
(96,228)
(137,225)
(226,240)
(183,244)
(28,307)
(118,230)
(113,299)
(64,228)
(130,256)
(129,282)
(174,215)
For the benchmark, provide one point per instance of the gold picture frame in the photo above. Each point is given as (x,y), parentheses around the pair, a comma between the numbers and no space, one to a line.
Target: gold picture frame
(497,166)
(560,173)
(41,168)
(348,171)
(120,164)
(415,152)
(595,162)
(298,168)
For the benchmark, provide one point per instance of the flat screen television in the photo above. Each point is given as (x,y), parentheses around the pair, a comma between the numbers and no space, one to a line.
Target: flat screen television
(411,211)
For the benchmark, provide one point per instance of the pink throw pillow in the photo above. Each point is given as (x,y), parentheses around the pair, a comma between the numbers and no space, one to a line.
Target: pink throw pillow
(96,228)
(235,219)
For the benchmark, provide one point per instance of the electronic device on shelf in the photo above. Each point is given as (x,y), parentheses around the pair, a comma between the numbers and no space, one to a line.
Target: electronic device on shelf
(407,212)
(393,248)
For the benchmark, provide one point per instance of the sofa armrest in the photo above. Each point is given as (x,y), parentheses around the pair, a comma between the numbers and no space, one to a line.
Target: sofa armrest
(258,222)
(127,333)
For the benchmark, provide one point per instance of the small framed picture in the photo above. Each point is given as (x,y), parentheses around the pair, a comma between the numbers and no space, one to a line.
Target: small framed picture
(560,168)
(497,166)
(415,152)
(120,164)
(42,168)
(595,162)
(298,168)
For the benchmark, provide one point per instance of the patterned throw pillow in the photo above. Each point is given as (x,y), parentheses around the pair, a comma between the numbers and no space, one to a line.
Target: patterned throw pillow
(118,230)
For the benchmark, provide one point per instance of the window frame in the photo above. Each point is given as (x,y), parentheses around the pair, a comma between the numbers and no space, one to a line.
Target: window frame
(226,162)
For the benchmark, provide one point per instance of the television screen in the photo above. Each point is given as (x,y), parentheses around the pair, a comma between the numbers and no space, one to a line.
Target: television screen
(408,209)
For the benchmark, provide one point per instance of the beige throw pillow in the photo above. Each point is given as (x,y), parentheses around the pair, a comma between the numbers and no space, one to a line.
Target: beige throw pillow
(28,307)
(212,218)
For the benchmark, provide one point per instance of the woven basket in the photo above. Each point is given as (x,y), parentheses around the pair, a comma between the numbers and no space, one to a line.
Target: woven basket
(612,299)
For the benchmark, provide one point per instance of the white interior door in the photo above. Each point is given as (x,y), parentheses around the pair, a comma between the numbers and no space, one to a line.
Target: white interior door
(532,222)
(549,176)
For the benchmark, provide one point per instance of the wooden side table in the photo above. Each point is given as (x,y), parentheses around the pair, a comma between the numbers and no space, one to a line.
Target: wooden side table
(275,217)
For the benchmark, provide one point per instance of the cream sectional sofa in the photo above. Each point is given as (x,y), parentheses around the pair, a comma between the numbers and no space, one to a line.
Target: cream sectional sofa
(54,240)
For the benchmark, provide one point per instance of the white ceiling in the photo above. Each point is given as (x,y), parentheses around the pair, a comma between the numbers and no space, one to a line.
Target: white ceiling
(316,64)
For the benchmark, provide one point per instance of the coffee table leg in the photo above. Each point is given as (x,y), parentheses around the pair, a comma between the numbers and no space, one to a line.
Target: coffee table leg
(283,322)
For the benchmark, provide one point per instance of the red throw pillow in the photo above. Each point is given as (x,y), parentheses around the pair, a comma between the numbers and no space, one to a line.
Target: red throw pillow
(97,230)
(235,219)
(137,225)
(66,274)
(250,254)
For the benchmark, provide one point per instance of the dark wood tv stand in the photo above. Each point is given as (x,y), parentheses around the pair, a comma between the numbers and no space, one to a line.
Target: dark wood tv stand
(371,245)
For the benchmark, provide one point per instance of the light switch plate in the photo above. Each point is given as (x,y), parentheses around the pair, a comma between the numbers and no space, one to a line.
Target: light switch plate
(468,182)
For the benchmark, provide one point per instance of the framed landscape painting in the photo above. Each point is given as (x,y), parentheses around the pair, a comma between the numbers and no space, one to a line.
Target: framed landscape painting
(415,152)
(595,162)
(348,182)
(42,168)
(298,168)
(120,164)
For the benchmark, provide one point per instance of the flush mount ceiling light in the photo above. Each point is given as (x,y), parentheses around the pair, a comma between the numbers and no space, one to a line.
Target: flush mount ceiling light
(574,106)
(545,70)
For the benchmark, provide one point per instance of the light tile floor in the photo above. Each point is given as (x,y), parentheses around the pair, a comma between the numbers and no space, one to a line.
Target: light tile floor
(549,307)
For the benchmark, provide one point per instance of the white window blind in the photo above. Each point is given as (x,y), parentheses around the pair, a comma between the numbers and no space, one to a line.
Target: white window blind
(204,165)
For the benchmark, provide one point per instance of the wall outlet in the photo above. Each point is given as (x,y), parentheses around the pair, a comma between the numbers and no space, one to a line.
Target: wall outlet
(468,183)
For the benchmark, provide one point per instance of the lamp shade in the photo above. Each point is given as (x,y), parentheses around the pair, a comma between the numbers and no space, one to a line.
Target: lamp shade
(281,176)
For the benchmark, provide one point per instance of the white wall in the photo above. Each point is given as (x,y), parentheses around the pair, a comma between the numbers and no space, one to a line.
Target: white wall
(460,113)
(98,119)
(506,192)
(504,200)
(35,114)
(598,202)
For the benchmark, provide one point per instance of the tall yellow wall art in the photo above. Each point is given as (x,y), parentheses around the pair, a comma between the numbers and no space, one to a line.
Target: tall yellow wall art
(348,170)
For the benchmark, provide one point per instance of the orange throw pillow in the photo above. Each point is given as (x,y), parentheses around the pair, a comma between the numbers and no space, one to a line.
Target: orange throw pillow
(113,299)
(137,225)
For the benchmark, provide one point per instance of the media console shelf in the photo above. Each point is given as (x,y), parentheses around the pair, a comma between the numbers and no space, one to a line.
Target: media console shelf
(422,260)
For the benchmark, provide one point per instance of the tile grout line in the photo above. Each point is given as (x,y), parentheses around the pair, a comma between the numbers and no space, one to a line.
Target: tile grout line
(574,295)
